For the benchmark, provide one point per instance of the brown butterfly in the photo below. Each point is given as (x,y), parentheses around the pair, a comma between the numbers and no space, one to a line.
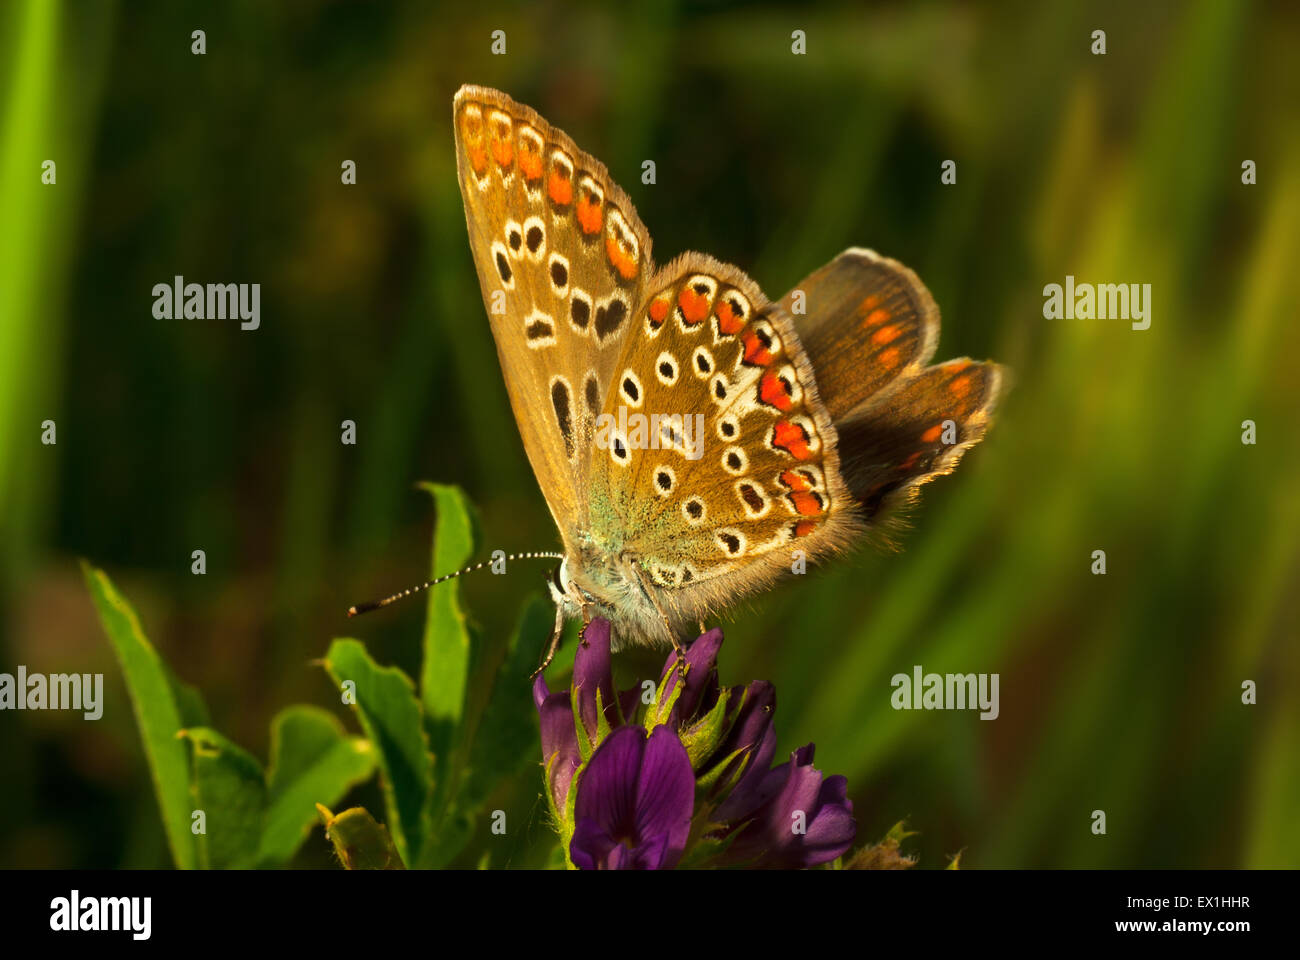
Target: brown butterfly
(693,439)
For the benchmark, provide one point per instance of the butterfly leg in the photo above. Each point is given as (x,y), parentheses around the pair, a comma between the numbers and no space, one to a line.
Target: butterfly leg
(553,645)
(672,634)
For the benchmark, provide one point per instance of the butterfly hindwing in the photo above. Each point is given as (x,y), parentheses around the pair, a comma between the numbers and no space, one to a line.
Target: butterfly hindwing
(916,431)
(867,320)
(718,458)
(563,261)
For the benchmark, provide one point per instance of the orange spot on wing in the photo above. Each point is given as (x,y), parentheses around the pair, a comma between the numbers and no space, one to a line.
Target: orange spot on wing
(695,306)
(772,391)
(869,303)
(889,358)
(795,480)
(791,438)
(559,189)
(887,334)
(960,386)
(875,317)
(932,434)
(806,504)
(502,151)
(910,462)
(531,164)
(804,527)
(589,215)
(756,353)
(728,322)
(623,263)
(477,158)
(659,310)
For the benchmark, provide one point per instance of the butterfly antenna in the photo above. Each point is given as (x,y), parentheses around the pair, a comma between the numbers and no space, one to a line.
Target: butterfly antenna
(376,604)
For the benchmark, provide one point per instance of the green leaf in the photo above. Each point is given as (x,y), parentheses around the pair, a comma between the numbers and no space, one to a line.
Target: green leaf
(312,761)
(360,842)
(227,785)
(507,739)
(444,675)
(162,707)
(390,716)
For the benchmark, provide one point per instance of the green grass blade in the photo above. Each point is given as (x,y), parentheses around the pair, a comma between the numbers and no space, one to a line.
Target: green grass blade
(163,706)
(313,760)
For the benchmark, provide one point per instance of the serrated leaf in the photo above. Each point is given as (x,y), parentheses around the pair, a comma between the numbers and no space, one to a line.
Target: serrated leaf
(162,706)
(228,786)
(360,842)
(390,715)
(313,760)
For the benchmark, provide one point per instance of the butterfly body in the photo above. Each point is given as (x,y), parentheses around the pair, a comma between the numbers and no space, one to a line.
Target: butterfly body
(688,434)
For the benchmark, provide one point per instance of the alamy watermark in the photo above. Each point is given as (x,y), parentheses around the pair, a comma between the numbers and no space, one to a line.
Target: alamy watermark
(56,691)
(77,913)
(652,431)
(1102,301)
(946,691)
(214,301)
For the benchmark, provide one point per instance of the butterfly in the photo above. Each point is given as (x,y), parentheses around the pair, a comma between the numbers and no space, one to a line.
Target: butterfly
(694,440)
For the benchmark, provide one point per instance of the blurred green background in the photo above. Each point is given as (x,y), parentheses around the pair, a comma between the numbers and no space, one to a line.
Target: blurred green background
(1119,692)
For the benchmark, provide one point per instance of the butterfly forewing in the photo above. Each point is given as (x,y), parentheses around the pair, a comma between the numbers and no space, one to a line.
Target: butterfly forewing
(563,261)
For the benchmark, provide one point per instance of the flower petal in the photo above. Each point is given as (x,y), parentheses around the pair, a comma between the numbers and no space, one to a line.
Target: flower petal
(701,666)
(592,848)
(665,793)
(607,790)
(591,673)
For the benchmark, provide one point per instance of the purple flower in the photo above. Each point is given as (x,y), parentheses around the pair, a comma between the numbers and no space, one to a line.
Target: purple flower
(699,691)
(703,770)
(592,678)
(634,805)
(560,755)
(790,816)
